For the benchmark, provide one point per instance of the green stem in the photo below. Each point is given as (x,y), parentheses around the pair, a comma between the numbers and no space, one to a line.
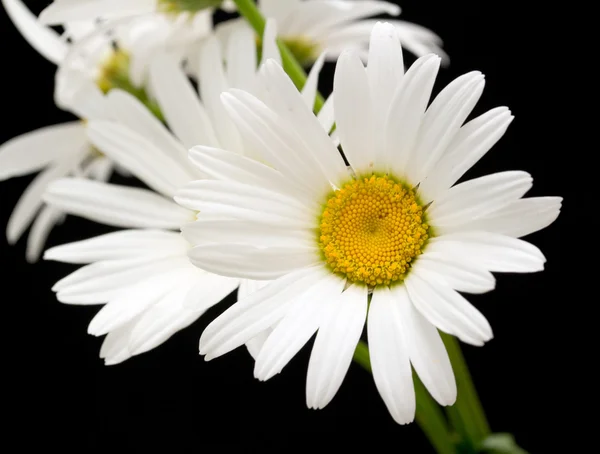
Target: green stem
(251,13)
(467,415)
(429,415)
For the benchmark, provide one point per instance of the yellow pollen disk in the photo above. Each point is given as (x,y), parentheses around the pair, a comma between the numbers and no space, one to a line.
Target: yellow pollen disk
(371,229)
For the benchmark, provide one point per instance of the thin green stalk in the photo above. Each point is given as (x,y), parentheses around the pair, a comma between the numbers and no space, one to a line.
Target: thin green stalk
(467,415)
(251,13)
(429,415)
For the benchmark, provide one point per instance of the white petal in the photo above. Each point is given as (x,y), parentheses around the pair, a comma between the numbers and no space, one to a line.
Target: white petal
(317,19)
(125,244)
(269,43)
(34,150)
(139,155)
(277,9)
(519,218)
(385,71)
(243,201)
(209,289)
(389,352)
(443,119)
(115,348)
(288,104)
(256,344)
(254,234)
(119,206)
(265,134)
(338,334)
(63,11)
(478,197)
(297,327)
(447,309)
(130,112)
(353,112)
(326,115)
(250,262)
(457,274)
(180,104)
(161,321)
(426,350)
(491,251)
(103,281)
(406,113)
(135,300)
(309,91)
(212,83)
(241,59)
(471,142)
(227,166)
(43,224)
(43,39)
(100,169)
(31,200)
(257,312)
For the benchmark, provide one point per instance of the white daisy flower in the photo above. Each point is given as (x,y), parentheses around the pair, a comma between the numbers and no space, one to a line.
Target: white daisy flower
(310,26)
(144,274)
(391,235)
(86,64)
(56,151)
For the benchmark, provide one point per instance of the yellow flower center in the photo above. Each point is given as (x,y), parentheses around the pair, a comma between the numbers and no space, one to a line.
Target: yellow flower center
(371,230)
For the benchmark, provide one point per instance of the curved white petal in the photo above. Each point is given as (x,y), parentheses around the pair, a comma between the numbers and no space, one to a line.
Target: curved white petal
(34,150)
(385,71)
(257,312)
(471,142)
(243,201)
(491,251)
(478,197)
(103,281)
(269,43)
(443,119)
(288,103)
(179,103)
(447,309)
(309,91)
(254,234)
(130,112)
(43,39)
(459,275)
(212,82)
(139,155)
(519,218)
(43,224)
(31,200)
(354,114)
(251,262)
(61,11)
(136,299)
(124,244)
(297,327)
(241,59)
(271,142)
(119,206)
(407,109)
(426,350)
(227,166)
(390,357)
(338,334)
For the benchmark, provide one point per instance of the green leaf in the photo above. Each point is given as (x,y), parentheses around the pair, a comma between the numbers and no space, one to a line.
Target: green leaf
(501,443)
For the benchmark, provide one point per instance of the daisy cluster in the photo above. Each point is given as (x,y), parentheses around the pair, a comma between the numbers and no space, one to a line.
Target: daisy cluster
(323,222)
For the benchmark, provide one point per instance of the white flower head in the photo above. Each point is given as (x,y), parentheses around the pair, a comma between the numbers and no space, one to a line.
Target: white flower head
(391,235)
(143,274)
(309,27)
(91,59)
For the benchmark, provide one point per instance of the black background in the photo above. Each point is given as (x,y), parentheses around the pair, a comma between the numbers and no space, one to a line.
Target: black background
(63,395)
